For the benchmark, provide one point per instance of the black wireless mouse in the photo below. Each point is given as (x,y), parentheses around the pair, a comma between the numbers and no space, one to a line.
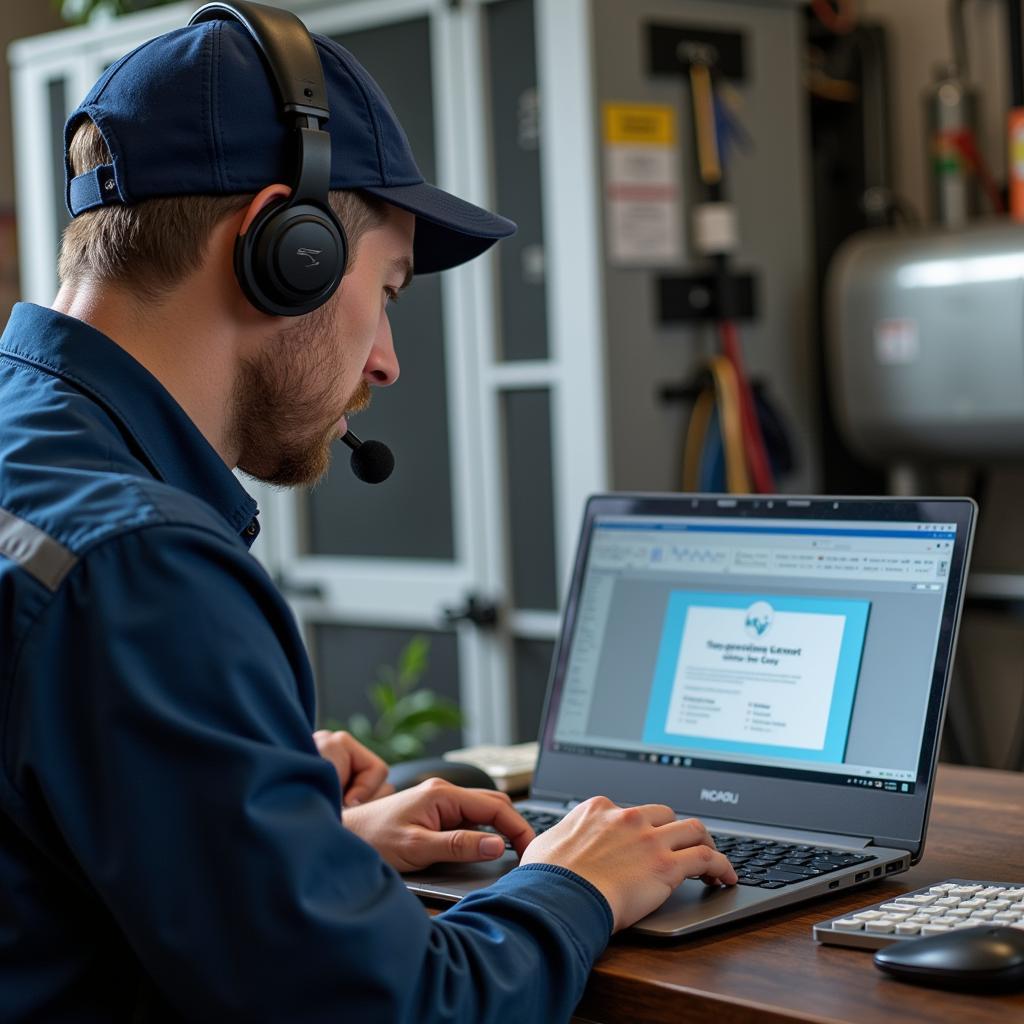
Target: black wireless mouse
(984,959)
(411,773)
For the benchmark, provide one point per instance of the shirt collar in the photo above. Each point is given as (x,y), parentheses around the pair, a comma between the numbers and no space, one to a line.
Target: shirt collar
(166,439)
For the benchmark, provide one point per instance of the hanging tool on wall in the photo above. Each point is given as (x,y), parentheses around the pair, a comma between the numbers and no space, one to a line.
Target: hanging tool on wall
(726,417)
(716,236)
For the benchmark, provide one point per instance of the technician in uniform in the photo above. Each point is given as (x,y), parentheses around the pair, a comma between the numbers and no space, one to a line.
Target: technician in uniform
(172,844)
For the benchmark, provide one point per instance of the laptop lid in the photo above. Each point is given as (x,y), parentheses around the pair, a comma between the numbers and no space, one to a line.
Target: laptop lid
(778,661)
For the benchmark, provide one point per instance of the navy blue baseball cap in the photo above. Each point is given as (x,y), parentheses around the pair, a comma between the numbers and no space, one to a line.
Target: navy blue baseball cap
(194,112)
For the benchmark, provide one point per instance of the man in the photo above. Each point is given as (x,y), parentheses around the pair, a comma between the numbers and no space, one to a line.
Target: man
(171,844)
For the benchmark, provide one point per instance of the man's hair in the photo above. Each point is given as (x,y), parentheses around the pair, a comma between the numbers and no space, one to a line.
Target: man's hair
(151,246)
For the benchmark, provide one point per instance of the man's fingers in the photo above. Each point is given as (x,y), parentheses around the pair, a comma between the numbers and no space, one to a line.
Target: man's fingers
(366,783)
(460,845)
(707,864)
(368,772)
(686,833)
(358,794)
(360,771)
(489,807)
(657,814)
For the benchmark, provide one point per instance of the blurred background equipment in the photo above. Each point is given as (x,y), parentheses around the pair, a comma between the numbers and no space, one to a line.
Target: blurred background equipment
(927,343)
(926,326)
(925,353)
(694,299)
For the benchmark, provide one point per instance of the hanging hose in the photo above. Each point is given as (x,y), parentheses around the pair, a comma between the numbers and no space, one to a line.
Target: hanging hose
(721,395)
(756,451)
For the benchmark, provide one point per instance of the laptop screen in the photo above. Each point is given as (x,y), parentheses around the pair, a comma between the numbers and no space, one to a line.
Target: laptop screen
(780,641)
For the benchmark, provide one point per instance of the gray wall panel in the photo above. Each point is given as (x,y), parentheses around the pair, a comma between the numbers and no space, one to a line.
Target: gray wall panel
(530,488)
(409,516)
(533,666)
(515,124)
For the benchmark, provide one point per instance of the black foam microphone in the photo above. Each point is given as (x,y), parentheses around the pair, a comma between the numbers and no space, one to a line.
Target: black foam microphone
(372,461)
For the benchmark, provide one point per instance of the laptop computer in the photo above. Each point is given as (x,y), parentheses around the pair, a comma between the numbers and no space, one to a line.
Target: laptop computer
(775,666)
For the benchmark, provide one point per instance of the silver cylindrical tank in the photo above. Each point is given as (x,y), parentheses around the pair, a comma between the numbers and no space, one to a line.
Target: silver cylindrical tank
(926,343)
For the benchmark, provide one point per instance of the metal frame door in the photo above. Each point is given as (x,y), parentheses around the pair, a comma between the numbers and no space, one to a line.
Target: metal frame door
(413,593)
(395,592)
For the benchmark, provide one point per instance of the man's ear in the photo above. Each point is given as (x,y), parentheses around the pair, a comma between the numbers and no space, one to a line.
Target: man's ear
(260,200)
(225,237)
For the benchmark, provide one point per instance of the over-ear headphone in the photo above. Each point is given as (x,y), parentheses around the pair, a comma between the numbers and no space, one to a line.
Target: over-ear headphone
(292,257)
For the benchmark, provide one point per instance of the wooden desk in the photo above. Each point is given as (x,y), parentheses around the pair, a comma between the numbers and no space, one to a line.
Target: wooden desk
(771,969)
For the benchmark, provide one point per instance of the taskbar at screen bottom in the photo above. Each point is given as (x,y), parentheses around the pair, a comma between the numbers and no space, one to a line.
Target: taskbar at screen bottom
(688,762)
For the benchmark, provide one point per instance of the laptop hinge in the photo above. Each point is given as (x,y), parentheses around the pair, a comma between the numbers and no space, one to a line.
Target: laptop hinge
(788,835)
(898,844)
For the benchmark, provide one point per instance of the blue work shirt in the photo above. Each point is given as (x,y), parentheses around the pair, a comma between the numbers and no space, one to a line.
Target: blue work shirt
(170,839)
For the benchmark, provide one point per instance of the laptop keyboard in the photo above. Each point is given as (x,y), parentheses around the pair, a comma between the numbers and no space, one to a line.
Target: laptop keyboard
(770,864)
(765,863)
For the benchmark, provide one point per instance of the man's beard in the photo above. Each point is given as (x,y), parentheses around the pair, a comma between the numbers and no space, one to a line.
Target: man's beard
(282,424)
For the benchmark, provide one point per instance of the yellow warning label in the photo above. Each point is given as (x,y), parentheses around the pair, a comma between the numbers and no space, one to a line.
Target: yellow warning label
(639,124)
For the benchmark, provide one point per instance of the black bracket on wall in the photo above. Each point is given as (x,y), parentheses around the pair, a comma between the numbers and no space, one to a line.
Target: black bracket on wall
(693,298)
(672,49)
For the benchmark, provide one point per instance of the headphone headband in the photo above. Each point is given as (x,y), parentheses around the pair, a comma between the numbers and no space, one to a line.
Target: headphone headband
(291,259)
(289,52)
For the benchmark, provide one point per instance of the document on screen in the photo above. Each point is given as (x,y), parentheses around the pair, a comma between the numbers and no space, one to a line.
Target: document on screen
(757,673)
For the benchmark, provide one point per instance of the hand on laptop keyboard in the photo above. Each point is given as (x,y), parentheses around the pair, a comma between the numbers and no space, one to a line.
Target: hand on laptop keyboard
(635,856)
(436,822)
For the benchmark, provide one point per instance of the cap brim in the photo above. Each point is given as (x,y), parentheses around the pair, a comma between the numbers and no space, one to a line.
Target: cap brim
(449,231)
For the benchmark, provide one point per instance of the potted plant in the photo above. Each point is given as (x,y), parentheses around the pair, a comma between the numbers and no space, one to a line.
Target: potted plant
(408,716)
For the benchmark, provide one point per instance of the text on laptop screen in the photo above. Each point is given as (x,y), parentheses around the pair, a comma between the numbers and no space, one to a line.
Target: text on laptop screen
(788,646)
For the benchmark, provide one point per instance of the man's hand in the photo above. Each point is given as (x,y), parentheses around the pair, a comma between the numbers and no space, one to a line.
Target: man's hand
(423,825)
(635,856)
(362,773)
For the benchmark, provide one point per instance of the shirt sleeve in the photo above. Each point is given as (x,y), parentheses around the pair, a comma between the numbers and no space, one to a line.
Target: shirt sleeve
(157,719)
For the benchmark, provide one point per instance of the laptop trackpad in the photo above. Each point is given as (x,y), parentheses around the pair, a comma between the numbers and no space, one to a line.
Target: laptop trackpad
(453,881)
(691,903)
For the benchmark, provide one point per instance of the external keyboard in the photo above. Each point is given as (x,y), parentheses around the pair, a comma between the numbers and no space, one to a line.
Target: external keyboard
(765,863)
(934,910)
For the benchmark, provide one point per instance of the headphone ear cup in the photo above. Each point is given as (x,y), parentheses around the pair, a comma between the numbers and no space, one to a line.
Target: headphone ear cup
(291,259)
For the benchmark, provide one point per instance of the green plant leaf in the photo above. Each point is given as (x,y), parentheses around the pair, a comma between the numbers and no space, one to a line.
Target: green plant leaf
(383,696)
(437,717)
(405,746)
(406,715)
(387,676)
(412,662)
(360,727)
(411,703)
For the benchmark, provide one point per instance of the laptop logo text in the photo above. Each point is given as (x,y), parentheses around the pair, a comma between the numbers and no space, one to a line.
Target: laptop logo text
(720,796)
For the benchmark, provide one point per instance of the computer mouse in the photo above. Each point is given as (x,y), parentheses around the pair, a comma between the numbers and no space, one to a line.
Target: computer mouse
(986,959)
(406,774)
